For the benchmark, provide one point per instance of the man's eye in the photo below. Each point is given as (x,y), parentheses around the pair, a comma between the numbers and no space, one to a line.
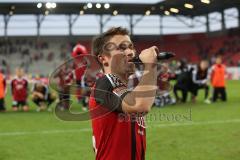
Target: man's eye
(110,47)
(123,46)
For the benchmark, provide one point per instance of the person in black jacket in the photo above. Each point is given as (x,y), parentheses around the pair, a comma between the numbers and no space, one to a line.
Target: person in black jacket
(199,80)
(182,81)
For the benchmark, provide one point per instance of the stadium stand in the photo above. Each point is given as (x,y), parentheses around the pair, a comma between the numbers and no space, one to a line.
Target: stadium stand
(30,53)
(50,52)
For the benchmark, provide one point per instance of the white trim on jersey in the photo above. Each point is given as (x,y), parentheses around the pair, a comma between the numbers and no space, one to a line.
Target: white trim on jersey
(110,79)
(194,78)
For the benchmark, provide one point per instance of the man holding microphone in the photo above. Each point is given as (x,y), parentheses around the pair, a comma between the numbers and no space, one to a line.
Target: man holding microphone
(118,113)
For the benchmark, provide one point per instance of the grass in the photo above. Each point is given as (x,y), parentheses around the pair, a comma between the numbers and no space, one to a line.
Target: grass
(192,131)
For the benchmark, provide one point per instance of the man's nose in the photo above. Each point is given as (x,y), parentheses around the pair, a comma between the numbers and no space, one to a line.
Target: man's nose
(129,53)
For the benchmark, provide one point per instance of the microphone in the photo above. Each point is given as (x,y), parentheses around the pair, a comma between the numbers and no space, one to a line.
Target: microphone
(160,56)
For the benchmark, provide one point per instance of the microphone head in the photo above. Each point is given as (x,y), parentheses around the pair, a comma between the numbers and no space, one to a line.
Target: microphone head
(165,55)
(160,56)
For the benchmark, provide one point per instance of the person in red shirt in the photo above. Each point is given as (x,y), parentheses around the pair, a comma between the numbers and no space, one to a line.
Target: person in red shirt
(79,54)
(117,113)
(217,77)
(163,96)
(3,89)
(19,90)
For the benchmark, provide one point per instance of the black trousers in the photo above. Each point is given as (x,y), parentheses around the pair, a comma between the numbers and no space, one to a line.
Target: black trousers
(194,89)
(219,91)
(183,89)
(2,105)
(50,99)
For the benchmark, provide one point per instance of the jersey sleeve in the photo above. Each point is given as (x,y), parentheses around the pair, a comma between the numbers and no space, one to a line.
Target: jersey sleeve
(194,77)
(109,92)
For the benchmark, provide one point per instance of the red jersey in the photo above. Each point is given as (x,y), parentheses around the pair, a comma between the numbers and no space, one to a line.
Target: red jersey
(79,72)
(116,135)
(67,76)
(19,88)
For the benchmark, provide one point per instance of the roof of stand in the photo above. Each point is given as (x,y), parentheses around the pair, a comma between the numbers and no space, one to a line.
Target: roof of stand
(158,8)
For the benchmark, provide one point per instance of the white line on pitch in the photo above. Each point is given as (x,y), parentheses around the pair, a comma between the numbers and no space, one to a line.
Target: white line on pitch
(89,129)
(197,123)
(44,132)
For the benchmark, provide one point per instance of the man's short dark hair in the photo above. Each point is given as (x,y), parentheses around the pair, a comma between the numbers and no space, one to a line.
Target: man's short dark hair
(99,41)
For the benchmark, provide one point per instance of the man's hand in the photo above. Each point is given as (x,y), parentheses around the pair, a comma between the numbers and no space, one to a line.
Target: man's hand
(149,55)
(141,98)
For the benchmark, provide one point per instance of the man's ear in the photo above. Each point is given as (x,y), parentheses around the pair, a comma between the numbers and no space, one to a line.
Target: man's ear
(102,60)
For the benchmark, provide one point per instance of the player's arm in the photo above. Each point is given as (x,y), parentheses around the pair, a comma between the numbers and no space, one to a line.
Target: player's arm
(143,95)
(70,78)
(35,92)
(194,78)
(210,73)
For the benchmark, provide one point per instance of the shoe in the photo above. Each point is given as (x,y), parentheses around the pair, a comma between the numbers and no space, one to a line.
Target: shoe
(84,108)
(207,101)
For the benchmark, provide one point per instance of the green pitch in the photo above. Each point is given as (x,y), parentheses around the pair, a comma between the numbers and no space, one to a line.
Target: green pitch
(181,132)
